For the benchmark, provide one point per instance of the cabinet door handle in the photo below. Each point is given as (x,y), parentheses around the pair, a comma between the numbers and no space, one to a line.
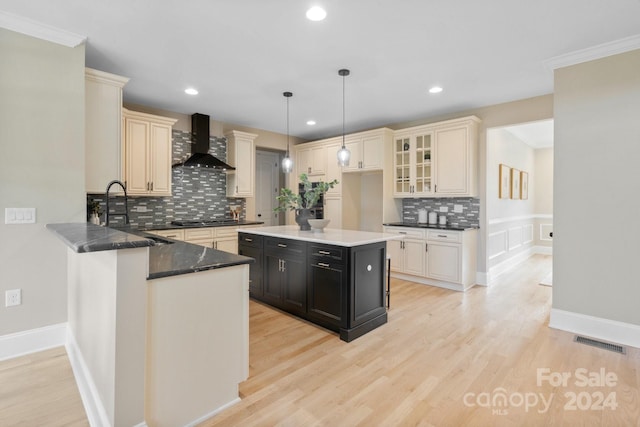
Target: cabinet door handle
(284,266)
(282,245)
(426,247)
(322,264)
(324,253)
(151,186)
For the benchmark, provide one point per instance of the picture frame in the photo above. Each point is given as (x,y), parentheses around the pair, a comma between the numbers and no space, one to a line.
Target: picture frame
(515,183)
(524,185)
(504,185)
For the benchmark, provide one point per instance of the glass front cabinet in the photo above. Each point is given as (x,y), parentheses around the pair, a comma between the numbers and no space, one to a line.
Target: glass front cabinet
(413,174)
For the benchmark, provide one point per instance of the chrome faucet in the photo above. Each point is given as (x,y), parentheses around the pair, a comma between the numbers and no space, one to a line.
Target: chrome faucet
(126,207)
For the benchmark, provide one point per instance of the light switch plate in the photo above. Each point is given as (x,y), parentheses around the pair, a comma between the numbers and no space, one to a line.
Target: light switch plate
(19,215)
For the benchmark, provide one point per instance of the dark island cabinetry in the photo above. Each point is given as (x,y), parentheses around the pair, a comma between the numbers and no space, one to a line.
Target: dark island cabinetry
(336,287)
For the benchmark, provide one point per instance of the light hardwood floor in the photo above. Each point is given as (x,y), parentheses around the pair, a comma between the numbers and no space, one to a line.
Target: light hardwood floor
(444,359)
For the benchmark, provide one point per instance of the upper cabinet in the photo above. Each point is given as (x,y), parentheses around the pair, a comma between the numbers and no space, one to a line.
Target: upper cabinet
(103,129)
(241,154)
(437,160)
(147,149)
(367,150)
(311,160)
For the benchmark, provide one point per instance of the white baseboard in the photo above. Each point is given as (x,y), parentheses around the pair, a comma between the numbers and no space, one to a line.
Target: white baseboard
(213,413)
(96,412)
(543,250)
(32,341)
(595,327)
(482,278)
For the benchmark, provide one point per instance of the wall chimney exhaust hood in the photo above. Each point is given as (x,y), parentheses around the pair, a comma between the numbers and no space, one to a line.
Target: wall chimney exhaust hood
(200,157)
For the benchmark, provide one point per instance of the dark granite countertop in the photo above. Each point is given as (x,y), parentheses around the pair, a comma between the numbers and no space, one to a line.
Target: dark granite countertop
(169,226)
(430,226)
(86,237)
(166,259)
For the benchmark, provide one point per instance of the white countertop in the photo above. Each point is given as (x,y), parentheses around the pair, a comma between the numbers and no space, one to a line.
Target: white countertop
(330,236)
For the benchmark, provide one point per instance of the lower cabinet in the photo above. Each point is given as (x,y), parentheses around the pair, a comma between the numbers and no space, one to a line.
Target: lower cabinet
(339,288)
(251,246)
(439,257)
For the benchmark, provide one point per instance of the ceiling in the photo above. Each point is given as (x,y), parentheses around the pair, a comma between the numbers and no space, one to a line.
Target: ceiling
(241,55)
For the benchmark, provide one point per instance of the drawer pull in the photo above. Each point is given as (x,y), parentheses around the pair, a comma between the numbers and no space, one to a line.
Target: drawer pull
(322,264)
(442,235)
(171,235)
(248,239)
(402,232)
(324,253)
(282,245)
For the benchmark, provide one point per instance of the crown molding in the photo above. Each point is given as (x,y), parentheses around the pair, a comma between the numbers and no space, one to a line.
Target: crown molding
(36,29)
(592,53)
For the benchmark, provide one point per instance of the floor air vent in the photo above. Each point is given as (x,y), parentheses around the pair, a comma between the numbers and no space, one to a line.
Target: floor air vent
(600,344)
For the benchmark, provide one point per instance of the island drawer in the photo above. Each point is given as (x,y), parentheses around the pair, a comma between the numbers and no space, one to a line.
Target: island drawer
(198,233)
(250,240)
(325,252)
(225,231)
(288,246)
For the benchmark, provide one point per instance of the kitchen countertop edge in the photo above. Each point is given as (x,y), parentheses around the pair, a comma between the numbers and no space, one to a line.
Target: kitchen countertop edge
(430,226)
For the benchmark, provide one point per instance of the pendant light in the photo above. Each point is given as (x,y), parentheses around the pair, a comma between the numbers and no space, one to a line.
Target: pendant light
(343,154)
(287,162)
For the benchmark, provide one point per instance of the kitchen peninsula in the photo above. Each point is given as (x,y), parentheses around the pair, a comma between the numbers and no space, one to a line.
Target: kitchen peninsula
(335,278)
(158,329)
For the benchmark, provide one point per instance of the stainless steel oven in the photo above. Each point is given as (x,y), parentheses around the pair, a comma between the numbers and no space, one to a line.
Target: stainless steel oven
(318,208)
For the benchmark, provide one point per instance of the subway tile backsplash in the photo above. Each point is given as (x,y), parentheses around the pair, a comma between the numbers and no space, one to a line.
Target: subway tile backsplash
(470,215)
(198,193)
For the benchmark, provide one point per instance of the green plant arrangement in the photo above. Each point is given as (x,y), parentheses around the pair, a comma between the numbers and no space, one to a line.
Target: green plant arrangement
(301,204)
(289,200)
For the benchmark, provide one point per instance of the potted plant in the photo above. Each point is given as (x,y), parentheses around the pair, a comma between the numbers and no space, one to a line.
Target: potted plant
(302,203)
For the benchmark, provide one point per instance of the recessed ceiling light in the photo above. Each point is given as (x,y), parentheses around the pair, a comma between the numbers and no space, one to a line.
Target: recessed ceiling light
(191,91)
(311,122)
(316,13)
(435,89)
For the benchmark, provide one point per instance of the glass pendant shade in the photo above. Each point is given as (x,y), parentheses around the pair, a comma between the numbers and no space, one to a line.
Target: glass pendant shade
(343,153)
(343,156)
(287,162)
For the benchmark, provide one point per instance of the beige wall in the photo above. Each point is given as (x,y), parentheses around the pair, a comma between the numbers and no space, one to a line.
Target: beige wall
(41,166)
(543,181)
(596,154)
(265,139)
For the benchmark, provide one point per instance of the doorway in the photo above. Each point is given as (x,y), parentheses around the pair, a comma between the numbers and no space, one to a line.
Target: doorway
(519,195)
(267,186)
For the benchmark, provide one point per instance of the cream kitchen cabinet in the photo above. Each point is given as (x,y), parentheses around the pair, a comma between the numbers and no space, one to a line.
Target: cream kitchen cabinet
(221,238)
(241,154)
(103,129)
(437,160)
(367,150)
(147,148)
(412,160)
(333,211)
(311,160)
(334,171)
(438,257)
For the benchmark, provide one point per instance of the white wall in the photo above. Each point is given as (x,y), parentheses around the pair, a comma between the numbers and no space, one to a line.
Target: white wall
(596,158)
(511,222)
(41,166)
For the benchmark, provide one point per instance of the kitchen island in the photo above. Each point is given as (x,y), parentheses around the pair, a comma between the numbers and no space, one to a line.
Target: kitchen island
(158,330)
(335,278)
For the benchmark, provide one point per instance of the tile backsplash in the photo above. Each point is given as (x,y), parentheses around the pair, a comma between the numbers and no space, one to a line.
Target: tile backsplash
(198,193)
(470,215)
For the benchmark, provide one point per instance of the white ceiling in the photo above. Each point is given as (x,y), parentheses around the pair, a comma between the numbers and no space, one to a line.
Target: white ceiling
(241,55)
(535,134)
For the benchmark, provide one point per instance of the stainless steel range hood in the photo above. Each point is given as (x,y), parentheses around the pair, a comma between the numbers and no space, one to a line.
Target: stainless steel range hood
(200,157)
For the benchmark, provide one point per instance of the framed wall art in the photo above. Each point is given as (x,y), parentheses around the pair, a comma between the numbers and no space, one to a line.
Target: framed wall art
(515,183)
(504,188)
(524,185)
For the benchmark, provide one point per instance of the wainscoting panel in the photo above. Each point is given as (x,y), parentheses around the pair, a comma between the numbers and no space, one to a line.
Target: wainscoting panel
(497,244)
(515,238)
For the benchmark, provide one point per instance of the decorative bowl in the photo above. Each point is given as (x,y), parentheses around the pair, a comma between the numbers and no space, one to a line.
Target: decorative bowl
(318,224)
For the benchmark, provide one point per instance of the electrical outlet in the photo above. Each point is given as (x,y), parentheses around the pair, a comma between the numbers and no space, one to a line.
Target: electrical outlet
(457,208)
(13,297)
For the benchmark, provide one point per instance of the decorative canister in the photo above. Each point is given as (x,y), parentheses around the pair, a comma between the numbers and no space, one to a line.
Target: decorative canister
(422,216)
(433,217)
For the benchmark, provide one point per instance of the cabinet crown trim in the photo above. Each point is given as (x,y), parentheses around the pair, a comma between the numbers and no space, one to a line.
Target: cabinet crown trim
(149,117)
(105,78)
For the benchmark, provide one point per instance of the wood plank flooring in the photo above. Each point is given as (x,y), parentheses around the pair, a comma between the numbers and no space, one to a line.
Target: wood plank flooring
(444,359)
